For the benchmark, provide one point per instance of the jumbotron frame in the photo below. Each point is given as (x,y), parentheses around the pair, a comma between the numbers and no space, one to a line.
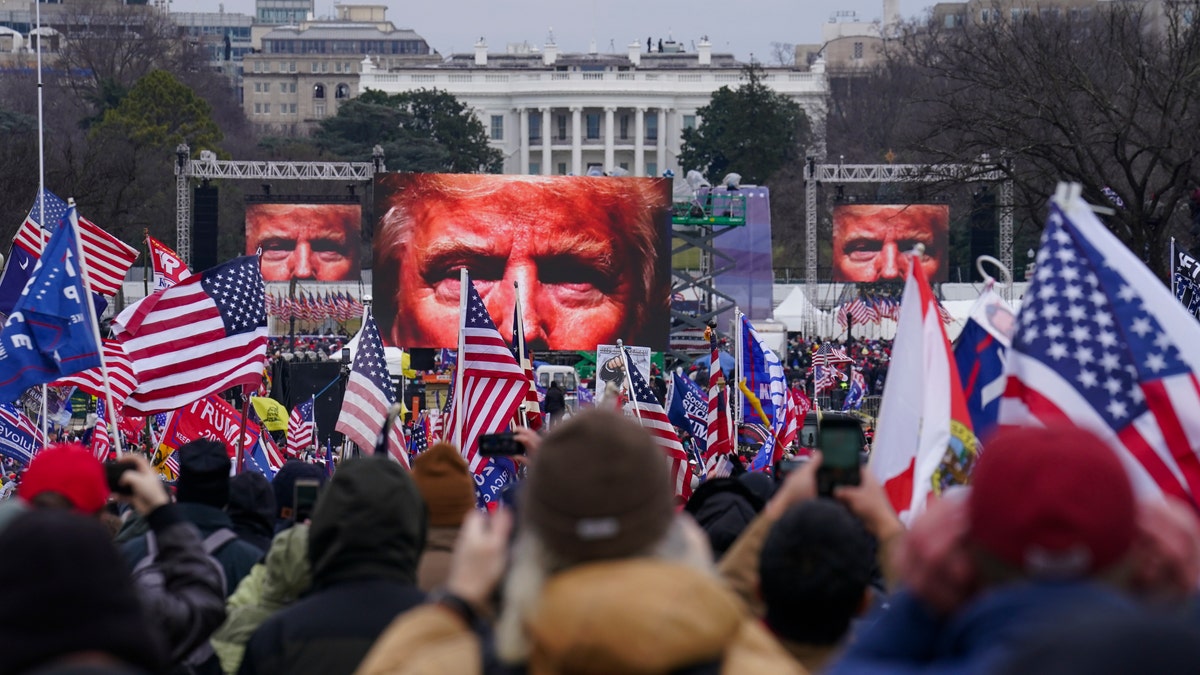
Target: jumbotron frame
(985,171)
(209,167)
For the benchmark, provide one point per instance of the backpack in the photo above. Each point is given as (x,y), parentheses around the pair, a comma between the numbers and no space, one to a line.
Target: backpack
(148,575)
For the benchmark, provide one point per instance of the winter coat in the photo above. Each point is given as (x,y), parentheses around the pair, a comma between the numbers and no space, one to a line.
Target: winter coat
(364,542)
(236,557)
(270,586)
(190,603)
(908,637)
(630,616)
(435,559)
(723,507)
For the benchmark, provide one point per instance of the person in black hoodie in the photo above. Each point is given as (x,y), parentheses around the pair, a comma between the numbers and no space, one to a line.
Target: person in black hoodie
(367,534)
(252,509)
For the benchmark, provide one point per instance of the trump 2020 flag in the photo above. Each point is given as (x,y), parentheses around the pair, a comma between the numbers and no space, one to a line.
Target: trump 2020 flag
(169,269)
(980,353)
(688,409)
(49,333)
(924,442)
(19,438)
(1101,343)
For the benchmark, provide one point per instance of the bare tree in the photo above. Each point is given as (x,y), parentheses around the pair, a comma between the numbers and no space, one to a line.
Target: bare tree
(783,54)
(1109,99)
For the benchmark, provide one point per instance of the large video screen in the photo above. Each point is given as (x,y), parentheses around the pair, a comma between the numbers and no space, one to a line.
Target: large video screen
(591,255)
(870,240)
(319,242)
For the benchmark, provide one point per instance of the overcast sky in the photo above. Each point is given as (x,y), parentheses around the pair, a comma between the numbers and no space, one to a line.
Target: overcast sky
(741,27)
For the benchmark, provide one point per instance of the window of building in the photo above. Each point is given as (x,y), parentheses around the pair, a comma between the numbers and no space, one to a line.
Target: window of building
(986,15)
(1018,13)
(689,121)
(258,66)
(652,127)
(858,51)
(562,168)
(535,169)
(497,127)
(258,87)
(292,87)
(319,91)
(342,91)
(291,66)
(257,108)
(562,127)
(593,125)
(319,110)
(314,66)
(535,128)
(266,108)
(652,169)
(624,124)
(292,108)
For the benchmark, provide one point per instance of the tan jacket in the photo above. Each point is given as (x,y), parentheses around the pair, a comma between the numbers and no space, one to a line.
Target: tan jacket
(637,616)
(434,565)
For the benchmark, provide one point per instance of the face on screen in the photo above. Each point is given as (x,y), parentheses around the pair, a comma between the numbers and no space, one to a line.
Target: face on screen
(305,241)
(579,254)
(870,241)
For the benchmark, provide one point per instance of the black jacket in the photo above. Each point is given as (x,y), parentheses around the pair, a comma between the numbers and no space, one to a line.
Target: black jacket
(555,402)
(366,536)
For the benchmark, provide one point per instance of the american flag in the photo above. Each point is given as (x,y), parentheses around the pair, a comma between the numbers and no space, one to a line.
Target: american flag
(825,374)
(200,337)
(120,375)
(1102,344)
(717,441)
(300,429)
(418,442)
(369,395)
(108,258)
(654,420)
(101,443)
(493,383)
(533,407)
(797,408)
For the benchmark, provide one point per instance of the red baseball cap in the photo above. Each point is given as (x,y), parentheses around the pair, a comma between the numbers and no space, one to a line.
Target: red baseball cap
(70,470)
(1056,502)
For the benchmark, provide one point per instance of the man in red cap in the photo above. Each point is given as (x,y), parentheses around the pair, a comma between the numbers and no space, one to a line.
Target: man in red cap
(1050,532)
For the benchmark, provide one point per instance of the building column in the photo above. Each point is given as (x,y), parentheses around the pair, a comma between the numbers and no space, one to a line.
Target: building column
(662,140)
(609,163)
(524,122)
(577,140)
(547,167)
(639,142)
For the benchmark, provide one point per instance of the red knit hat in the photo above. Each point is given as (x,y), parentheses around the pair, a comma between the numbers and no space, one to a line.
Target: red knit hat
(70,470)
(1055,503)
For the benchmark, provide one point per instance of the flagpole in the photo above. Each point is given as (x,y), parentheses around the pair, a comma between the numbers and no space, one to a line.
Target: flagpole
(73,223)
(464,278)
(629,380)
(519,329)
(738,348)
(1172,267)
(241,447)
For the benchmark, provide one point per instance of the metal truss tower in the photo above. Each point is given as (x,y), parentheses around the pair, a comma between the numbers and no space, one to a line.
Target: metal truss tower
(815,173)
(209,167)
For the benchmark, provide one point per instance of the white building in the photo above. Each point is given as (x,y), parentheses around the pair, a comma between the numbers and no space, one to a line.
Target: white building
(553,113)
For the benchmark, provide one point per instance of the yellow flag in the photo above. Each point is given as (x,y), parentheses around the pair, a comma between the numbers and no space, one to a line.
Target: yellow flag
(159,462)
(272,413)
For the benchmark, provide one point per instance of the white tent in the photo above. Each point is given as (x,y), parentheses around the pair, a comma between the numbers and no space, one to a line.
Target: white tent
(795,308)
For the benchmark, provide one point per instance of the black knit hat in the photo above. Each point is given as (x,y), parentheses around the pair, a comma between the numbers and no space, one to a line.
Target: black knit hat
(74,595)
(203,473)
(284,485)
(600,489)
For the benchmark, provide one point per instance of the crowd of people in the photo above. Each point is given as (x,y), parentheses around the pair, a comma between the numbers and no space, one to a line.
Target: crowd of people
(1048,563)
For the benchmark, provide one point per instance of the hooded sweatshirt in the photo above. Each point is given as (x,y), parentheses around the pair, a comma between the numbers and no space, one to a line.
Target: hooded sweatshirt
(366,536)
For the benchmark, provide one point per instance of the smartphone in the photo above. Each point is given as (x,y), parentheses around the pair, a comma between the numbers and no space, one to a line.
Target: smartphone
(841,445)
(784,468)
(305,499)
(503,444)
(113,472)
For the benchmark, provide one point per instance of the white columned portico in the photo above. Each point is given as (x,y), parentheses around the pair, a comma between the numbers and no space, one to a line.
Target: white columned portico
(662,141)
(547,167)
(609,112)
(639,142)
(577,140)
(524,122)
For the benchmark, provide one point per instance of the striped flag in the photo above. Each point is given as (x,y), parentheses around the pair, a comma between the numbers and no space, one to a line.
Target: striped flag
(120,375)
(418,442)
(717,437)
(108,258)
(533,407)
(300,429)
(493,383)
(654,420)
(20,439)
(203,336)
(101,443)
(370,393)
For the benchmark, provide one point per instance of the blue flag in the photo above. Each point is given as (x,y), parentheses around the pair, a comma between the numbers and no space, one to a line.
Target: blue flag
(489,482)
(980,353)
(689,410)
(257,459)
(19,438)
(49,333)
